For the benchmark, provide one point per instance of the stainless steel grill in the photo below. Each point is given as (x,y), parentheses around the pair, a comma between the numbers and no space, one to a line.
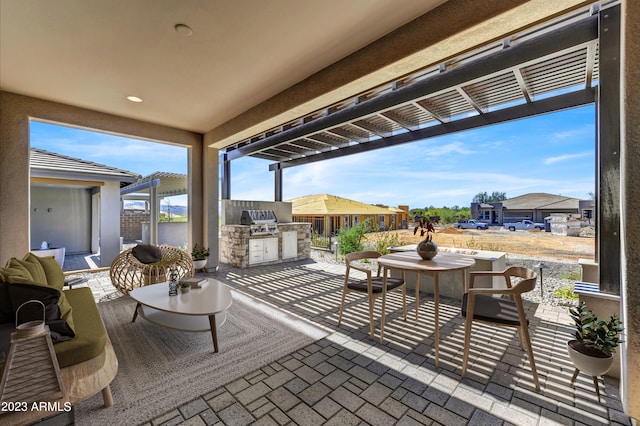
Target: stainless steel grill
(262,222)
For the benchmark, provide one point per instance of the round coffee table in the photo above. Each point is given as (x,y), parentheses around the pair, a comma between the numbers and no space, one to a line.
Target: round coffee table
(199,309)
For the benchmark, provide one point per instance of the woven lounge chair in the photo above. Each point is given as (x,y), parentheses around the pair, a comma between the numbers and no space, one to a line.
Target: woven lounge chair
(127,272)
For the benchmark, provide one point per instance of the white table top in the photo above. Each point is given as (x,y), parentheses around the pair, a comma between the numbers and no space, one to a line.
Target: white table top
(213,297)
(411,261)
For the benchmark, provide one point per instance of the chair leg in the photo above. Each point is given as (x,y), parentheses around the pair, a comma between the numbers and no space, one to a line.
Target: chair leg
(468,323)
(371,325)
(341,308)
(532,362)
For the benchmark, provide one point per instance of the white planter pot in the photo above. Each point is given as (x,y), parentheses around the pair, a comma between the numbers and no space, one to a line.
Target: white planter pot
(200,264)
(587,364)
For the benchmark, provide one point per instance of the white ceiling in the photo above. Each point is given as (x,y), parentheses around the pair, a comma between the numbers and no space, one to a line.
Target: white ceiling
(93,54)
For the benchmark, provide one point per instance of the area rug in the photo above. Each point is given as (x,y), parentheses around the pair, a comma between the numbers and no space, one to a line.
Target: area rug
(161,369)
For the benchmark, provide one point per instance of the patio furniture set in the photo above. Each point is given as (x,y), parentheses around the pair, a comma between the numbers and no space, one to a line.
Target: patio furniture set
(61,354)
(478,304)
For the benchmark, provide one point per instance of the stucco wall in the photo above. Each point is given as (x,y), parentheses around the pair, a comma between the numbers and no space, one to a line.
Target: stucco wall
(62,217)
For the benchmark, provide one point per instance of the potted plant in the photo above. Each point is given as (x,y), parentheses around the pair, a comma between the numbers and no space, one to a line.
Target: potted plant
(595,341)
(199,255)
(427,248)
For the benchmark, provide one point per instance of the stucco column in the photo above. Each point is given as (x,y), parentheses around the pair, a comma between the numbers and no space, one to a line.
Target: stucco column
(109,222)
(211,205)
(630,206)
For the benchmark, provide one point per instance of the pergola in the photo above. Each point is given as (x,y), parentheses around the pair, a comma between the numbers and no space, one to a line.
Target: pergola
(152,189)
(565,64)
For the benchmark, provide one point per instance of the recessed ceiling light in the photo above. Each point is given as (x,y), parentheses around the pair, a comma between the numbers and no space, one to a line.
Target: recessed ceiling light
(134,99)
(183,29)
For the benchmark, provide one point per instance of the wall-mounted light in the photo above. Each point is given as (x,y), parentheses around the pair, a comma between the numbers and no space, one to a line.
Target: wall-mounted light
(134,99)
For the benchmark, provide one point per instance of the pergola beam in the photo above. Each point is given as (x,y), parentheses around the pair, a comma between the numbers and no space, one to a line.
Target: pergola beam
(566,101)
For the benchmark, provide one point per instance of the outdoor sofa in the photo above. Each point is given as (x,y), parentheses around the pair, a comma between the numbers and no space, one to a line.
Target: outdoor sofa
(82,347)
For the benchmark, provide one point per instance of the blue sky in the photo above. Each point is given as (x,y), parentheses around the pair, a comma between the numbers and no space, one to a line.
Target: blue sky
(553,153)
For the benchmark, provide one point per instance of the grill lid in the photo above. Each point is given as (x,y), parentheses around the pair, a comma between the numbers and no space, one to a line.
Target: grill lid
(250,217)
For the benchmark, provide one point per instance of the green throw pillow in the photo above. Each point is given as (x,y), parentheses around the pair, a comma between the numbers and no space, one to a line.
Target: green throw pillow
(53,271)
(33,266)
(16,273)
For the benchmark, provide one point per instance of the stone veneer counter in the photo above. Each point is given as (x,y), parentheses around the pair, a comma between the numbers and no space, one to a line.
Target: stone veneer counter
(241,249)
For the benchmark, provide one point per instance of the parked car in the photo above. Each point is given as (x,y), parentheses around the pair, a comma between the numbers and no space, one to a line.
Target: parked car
(525,224)
(470,224)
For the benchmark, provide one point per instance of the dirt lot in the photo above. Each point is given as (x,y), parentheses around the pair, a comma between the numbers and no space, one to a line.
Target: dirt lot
(537,243)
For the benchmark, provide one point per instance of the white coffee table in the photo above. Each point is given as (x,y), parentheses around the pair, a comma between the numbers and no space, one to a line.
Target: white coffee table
(199,309)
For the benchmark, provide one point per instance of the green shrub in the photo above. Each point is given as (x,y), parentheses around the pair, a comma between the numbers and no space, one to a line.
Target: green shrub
(350,239)
(565,292)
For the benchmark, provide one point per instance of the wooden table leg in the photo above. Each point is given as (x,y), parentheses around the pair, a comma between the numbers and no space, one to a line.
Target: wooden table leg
(214,332)
(135,312)
(417,294)
(436,307)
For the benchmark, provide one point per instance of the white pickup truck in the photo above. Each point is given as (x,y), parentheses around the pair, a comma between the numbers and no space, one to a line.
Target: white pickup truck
(470,224)
(525,224)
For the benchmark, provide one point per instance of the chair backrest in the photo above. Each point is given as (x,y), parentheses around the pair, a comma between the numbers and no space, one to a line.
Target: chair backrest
(359,255)
(525,278)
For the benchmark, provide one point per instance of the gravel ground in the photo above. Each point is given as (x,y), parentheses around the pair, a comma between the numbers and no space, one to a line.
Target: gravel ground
(551,275)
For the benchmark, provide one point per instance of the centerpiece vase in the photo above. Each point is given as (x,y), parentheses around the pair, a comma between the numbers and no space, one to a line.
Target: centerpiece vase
(427,249)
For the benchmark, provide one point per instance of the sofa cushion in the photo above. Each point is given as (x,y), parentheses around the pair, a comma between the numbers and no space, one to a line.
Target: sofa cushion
(20,293)
(52,271)
(147,253)
(91,335)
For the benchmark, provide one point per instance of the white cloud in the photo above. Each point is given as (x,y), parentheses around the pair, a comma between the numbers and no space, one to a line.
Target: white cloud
(565,157)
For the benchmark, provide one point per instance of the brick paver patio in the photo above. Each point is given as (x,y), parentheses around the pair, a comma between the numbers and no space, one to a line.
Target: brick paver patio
(347,379)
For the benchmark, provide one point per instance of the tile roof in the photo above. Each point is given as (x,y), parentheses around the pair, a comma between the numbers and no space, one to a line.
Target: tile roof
(53,165)
(540,201)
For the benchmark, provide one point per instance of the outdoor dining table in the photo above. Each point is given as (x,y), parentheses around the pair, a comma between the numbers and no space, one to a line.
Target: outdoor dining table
(443,262)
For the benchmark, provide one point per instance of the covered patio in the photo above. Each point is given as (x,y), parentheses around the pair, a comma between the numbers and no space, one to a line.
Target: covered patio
(329,99)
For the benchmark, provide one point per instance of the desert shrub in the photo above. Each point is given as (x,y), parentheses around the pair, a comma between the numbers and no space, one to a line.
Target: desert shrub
(565,292)
(351,239)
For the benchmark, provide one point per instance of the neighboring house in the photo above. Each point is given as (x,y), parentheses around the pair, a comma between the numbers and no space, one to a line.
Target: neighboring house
(534,206)
(328,214)
(75,204)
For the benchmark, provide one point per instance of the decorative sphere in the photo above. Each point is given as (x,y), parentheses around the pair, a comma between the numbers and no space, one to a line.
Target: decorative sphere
(427,249)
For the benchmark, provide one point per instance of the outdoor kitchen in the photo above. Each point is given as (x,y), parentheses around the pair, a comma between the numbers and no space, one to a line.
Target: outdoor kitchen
(261,232)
